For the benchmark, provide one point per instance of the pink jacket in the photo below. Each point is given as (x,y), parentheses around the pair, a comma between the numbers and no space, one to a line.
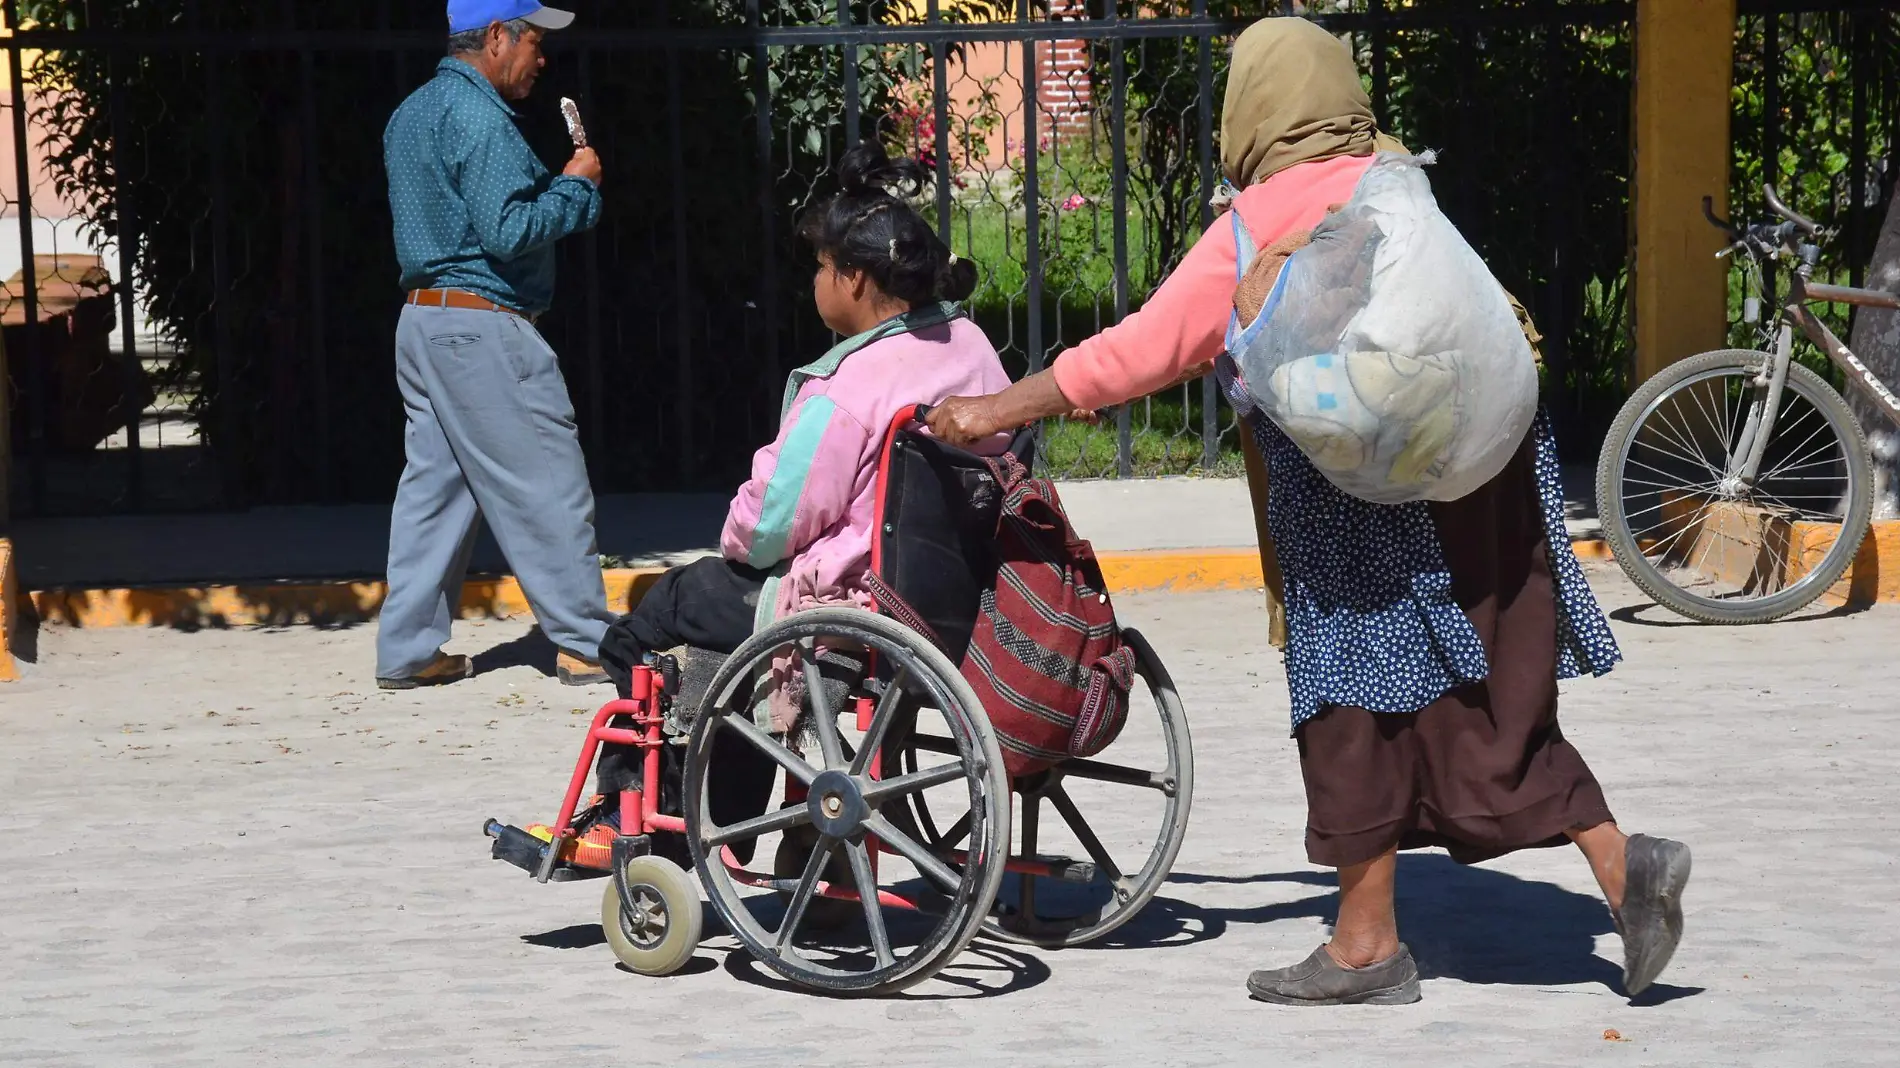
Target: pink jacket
(1185,321)
(812,494)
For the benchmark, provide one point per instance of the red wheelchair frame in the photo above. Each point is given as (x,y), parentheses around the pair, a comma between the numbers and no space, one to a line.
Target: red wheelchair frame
(640,818)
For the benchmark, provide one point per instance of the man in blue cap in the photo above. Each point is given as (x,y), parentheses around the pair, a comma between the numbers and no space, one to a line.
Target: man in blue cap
(489,426)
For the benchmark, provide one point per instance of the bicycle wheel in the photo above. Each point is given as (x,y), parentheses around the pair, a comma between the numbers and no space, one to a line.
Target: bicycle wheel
(1705,546)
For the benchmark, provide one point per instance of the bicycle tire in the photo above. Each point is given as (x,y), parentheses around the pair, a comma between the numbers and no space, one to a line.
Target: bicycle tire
(1650,579)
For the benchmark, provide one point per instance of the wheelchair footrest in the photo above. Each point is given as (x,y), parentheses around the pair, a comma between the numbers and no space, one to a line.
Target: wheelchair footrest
(515,846)
(529,853)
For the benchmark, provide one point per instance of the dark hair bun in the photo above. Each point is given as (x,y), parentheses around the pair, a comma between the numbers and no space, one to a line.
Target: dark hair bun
(869,226)
(866,171)
(957,279)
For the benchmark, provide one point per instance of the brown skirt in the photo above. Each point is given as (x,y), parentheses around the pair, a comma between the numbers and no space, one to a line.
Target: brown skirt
(1484,769)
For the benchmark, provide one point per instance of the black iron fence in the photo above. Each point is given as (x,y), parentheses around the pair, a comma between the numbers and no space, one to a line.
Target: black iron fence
(229,153)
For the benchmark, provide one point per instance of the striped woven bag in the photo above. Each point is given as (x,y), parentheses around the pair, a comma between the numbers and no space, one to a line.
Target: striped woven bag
(1046,656)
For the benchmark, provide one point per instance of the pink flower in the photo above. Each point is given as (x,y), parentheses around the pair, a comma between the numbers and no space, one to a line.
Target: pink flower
(1076,200)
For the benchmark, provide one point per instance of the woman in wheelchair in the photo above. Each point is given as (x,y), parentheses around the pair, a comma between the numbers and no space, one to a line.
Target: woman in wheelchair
(798,533)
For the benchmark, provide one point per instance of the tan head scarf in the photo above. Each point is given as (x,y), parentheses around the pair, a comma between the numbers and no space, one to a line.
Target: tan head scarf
(1293,96)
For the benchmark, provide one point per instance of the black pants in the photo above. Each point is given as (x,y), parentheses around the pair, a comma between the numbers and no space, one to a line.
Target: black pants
(708,604)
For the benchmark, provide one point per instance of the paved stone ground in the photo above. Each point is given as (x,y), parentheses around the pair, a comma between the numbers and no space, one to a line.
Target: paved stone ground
(226,849)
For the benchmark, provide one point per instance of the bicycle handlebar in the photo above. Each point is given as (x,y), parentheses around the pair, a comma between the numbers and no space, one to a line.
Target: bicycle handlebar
(1802,221)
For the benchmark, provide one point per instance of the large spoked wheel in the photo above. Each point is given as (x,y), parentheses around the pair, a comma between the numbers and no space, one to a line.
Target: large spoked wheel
(1116,822)
(1699,542)
(846,806)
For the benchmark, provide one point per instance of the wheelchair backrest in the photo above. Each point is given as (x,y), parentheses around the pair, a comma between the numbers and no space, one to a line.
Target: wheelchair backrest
(936,530)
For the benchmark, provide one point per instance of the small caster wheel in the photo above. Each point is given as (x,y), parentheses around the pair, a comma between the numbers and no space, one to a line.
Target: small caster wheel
(659,936)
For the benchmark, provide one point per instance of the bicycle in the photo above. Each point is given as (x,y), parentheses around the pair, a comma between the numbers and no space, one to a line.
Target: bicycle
(1735,486)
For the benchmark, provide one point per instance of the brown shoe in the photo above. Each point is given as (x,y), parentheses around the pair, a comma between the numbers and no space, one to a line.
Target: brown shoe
(578,670)
(443,669)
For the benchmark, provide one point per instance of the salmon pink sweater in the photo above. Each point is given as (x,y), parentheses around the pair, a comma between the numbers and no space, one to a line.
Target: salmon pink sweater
(1185,321)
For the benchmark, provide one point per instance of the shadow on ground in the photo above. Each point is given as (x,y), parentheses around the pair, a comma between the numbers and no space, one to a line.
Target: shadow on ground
(1651,614)
(1470,923)
(531,649)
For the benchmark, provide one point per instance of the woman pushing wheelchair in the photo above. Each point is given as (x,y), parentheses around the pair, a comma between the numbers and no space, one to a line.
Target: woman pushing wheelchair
(1425,639)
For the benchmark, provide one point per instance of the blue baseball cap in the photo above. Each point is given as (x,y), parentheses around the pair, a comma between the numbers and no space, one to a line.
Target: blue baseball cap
(465,15)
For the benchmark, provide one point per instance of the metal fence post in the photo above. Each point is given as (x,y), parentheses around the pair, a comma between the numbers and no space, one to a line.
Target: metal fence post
(849,55)
(29,274)
(1204,145)
(682,278)
(1032,199)
(590,266)
(131,375)
(313,293)
(940,119)
(1118,184)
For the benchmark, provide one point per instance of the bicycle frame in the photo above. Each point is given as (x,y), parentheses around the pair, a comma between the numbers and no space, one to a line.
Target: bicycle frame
(1759,428)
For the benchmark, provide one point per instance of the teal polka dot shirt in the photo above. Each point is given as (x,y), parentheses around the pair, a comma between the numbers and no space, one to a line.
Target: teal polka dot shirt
(473,207)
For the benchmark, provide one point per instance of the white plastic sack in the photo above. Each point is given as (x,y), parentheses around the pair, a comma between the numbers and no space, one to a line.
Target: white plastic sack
(1388,353)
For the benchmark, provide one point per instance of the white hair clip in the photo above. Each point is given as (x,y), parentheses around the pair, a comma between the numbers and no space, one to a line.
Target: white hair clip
(953,259)
(893,248)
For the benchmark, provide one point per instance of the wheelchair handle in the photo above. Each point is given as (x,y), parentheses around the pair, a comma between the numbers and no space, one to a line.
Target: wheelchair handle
(921,412)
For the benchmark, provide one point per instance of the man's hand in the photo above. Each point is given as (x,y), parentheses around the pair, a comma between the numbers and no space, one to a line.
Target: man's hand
(585,164)
(965,420)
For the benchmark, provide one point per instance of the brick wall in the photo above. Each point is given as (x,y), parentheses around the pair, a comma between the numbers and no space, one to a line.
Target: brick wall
(1062,75)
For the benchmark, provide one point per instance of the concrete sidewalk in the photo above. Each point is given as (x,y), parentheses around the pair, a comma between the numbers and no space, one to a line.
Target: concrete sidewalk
(306,544)
(228,849)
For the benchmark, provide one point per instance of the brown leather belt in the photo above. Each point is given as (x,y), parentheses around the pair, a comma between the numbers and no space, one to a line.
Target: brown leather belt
(461,298)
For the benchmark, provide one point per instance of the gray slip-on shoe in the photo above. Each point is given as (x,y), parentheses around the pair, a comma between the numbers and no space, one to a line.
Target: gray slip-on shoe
(1654,872)
(1321,980)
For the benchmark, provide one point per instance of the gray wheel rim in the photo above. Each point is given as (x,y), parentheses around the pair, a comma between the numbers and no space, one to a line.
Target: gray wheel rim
(923,674)
(1808,422)
(1128,890)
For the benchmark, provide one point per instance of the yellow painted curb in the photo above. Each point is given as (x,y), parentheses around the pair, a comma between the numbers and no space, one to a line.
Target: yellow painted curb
(1594,548)
(1182,571)
(1875,576)
(9,610)
(280,604)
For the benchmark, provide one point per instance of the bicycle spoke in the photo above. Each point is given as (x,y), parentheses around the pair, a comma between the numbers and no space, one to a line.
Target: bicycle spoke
(757,826)
(905,785)
(867,896)
(1707,416)
(1804,444)
(908,848)
(1689,455)
(807,888)
(1085,834)
(1651,467)
(957,833)
(1777,475)
(1804,461)
(1661,548)
(886,711)
(1817,513)
(824,717)
(794,765)
(1732,401)
(1685,437)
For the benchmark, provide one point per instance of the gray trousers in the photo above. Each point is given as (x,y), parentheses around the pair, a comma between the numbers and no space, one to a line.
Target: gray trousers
(489,433)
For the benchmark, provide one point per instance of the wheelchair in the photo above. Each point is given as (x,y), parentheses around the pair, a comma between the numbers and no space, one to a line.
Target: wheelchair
(900,836)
